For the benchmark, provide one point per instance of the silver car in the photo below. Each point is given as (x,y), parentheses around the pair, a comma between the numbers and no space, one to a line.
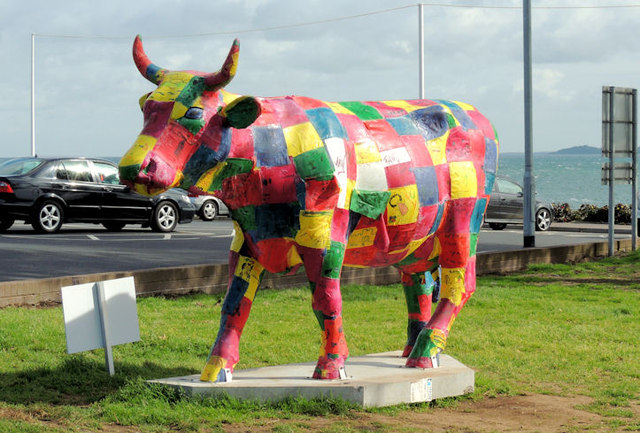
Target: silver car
(208,207)
(507,206)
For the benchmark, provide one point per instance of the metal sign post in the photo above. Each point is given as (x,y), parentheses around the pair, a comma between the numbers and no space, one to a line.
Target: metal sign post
(100,315)
(619,130)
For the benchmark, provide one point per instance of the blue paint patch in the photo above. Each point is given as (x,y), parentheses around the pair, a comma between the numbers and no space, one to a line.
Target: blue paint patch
(432,121)
(270,146)
(489,178)
(459,114)
(490,156)
(234,295)
(404,125)
(326,123)
(276,221)
(204,159)
(436,223)
(427,183)
(301,193)
(152,71)
(476,216)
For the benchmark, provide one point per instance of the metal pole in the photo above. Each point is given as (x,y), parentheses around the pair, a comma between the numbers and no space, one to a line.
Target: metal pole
(421,47)
(634,171)
(529,238)
(33,95)
(106,337)
(612,148)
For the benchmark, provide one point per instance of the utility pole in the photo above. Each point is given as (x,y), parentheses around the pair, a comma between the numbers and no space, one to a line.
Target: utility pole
(421,47)
(33,95)
(529,237)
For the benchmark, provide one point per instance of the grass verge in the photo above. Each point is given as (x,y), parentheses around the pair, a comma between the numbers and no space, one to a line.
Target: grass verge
(555,329)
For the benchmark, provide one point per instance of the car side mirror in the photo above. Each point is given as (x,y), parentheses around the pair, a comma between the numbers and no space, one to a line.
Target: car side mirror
(520,194)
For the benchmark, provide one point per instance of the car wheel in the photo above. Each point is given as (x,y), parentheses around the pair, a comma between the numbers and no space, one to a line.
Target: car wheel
(209,210)
(497,226)
(543,219)
(113,226)
(49,217)
(6,223)
(165,217)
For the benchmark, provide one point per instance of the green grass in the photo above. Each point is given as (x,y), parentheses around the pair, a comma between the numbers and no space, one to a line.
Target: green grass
(555,329)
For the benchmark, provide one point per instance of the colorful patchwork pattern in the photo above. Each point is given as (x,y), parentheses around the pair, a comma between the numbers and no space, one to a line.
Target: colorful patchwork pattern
(327,185)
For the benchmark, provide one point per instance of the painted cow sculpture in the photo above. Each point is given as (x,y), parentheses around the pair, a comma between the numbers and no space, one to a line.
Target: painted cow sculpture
(324,185)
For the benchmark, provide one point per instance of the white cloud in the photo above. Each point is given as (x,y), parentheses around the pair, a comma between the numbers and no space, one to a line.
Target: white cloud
(87,89)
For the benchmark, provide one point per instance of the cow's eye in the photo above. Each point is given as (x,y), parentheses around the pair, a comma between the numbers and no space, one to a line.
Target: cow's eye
(194,113)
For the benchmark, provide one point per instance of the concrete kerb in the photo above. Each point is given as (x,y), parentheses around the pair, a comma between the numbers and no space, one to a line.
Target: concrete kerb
(213,278)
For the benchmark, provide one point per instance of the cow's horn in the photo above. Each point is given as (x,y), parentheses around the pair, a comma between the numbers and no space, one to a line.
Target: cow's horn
(148,70)
(219,79)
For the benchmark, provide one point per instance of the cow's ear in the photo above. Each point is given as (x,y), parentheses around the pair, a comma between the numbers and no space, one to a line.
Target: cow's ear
(242,112)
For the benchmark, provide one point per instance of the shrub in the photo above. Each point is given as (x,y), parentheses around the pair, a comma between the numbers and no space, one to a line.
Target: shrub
(562,212)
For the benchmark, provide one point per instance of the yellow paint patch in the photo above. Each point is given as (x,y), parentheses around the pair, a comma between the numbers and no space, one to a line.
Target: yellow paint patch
(293,258)
(172,84)
(205,181)
(139,150)
(238,238)
(403,206)
(404,105)
(366,152)
(249,270)
(437,149)
(228,97)
(315,229)
(464,182)
(178,110)
(437,249)
(301,138)
(337,108)
(213,367)
(362,237)
(452,284)
(465,106)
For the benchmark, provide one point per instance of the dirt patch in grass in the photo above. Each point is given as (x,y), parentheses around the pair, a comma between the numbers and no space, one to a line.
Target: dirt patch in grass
(529,413)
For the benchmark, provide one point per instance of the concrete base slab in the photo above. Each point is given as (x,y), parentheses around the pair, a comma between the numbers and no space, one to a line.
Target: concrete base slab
(373,381)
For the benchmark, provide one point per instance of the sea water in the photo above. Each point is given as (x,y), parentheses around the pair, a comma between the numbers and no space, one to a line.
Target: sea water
(572,179)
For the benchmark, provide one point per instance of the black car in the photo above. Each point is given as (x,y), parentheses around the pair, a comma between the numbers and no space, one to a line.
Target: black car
(48,192)
(507,206)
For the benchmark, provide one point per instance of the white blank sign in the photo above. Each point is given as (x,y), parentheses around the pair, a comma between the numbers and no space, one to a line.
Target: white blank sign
(82,315)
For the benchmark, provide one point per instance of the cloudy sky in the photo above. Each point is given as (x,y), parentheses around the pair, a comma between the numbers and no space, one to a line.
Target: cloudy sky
(87,87)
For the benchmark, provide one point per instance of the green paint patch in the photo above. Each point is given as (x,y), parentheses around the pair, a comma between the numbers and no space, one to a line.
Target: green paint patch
(363,111)
(369,203)
(232,167)
(314,164)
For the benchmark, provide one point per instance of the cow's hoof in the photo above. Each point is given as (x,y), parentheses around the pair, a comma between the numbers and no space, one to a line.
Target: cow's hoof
(330,368)
(215,370)
(424,362)
(428,345)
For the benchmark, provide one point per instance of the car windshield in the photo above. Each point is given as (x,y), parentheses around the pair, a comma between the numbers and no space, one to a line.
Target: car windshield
(15,167)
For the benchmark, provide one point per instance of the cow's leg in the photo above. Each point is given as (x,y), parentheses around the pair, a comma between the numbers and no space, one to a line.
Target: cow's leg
(244,278)
(457,237)
(418,290)
(322,253)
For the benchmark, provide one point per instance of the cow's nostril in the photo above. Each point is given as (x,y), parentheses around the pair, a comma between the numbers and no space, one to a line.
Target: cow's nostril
(151,167)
